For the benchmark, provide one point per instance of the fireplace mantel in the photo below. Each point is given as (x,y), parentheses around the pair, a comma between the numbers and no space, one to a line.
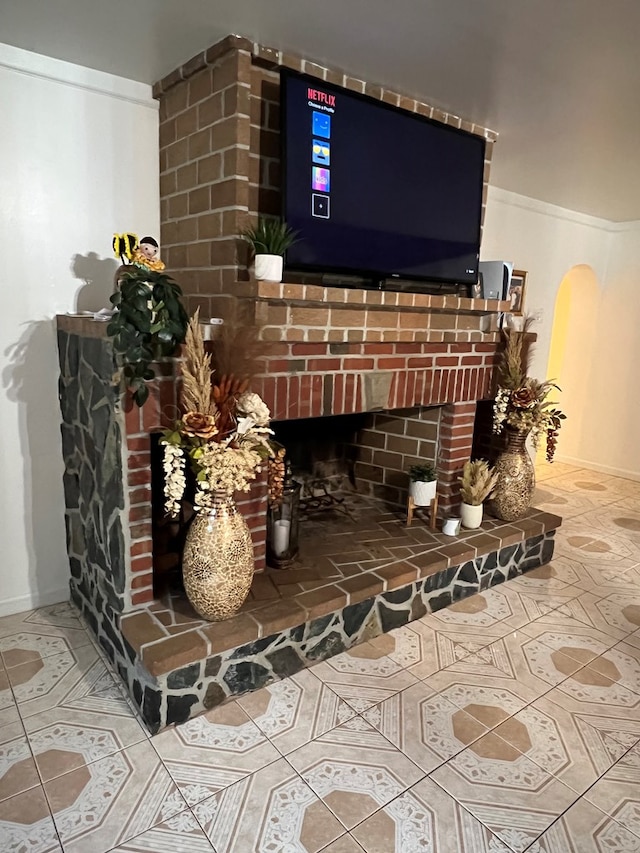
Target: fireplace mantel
(295,292)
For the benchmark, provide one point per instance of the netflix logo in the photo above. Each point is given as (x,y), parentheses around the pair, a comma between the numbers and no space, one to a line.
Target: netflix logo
(321,97)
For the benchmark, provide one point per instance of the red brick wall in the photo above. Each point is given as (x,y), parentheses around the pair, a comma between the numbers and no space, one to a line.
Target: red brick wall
(390,444)
(305,380)
(314,380)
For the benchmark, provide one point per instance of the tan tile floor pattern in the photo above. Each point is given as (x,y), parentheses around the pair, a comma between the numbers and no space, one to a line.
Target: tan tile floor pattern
(507,723)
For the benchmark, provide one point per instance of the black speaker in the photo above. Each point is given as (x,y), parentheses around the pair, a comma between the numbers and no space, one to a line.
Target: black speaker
(495,277)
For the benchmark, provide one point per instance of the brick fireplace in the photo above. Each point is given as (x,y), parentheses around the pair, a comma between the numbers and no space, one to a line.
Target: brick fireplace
(356,577)
(416,398)
(306,380)
(414,365)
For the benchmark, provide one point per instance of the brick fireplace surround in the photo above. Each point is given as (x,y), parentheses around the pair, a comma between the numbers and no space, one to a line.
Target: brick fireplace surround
(327,350)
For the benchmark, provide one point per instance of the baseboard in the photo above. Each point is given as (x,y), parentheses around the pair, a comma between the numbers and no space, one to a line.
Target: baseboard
(22,603)
(602,469)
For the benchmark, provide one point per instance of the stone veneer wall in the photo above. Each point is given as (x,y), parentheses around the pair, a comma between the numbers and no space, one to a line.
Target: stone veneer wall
(107,457)
(95,494)
(176,696)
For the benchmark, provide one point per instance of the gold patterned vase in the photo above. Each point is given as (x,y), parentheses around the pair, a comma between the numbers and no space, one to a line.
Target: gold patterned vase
(516,481)
(217,564)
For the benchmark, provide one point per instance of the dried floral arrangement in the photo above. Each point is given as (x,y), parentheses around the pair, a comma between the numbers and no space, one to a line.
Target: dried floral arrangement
(275,474)
(521,402)
(477,482)
(223,432)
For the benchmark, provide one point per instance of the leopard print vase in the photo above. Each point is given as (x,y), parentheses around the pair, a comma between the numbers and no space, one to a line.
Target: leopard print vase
(217,564)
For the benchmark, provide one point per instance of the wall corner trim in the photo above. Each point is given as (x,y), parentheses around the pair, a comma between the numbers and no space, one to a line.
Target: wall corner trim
(77,76)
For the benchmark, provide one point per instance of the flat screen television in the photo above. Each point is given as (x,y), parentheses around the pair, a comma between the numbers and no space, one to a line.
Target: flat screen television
(375,191)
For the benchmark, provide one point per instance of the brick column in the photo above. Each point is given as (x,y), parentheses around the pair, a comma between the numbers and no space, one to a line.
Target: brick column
(158,413)
(204,171)
(456,440)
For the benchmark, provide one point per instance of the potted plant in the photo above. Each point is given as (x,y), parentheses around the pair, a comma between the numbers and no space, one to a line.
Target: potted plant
(269,240)
(476,484)
(422,485)
(149,323)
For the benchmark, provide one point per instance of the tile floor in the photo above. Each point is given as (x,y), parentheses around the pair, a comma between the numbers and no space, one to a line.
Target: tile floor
(509,722)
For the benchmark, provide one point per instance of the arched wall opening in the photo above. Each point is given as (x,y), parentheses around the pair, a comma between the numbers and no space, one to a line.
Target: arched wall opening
(571,355)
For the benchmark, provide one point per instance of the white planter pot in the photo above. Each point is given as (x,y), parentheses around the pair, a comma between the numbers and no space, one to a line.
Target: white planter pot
(268,267)
(421,492)
(471,515)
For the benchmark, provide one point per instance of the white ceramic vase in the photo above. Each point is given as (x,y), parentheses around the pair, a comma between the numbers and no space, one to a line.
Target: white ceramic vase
(268,267)
(422,492)
(471,515)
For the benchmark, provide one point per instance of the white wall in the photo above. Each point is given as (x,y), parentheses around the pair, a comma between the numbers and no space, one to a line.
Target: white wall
(611,426)
(548,242)
(79,155)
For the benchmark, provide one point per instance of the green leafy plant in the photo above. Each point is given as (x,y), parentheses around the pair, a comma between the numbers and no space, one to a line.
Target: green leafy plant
(149,323)
(270,237)
(424,473)
(477,482)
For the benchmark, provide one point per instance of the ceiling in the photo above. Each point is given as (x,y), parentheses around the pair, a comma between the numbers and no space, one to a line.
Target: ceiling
(559,80)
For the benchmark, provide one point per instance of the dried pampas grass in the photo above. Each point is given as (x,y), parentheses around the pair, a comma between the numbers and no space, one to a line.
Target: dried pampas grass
(515,358)
(196,371)
(477,482)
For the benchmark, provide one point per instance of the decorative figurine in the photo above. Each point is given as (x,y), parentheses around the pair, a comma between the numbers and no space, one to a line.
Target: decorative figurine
(146,255)
(143,254)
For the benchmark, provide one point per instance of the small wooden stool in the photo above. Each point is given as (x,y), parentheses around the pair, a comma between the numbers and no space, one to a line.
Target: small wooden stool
(433,511)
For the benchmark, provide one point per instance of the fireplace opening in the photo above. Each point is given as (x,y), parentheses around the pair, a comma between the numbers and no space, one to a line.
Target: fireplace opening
(345,464)
(322,451)
(369,453)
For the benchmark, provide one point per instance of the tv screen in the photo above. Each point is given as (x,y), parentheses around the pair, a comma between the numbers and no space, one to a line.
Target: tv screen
(376,191)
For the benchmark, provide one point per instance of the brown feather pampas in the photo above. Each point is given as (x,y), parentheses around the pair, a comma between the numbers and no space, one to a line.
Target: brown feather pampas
(515,358)
(196,371)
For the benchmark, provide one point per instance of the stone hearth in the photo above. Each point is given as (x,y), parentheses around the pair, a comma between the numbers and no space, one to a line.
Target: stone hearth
(359,575)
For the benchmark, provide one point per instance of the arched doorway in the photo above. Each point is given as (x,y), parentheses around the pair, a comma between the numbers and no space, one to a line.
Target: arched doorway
(570,363)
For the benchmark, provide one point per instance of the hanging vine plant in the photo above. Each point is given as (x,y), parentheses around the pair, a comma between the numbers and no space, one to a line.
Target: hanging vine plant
(149,323)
